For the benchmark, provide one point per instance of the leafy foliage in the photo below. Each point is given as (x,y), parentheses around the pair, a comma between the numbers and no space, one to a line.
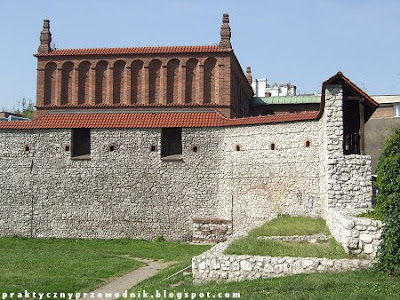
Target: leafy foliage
(25,108)
(388,203)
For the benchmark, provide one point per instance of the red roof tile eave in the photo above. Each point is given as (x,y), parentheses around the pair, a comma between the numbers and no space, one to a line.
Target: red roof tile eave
(149,120)
(135,50)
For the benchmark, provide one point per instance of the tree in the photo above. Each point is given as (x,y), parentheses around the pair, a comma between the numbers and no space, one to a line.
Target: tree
(25,108)
(388,202)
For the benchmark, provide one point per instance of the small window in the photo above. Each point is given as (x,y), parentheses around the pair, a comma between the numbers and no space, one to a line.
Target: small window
(171,143)
(66,148)
(27,148)
(80,143)
(238,147)
(308,144)
(153,148)
(396,110)
(194,149)
(112,147)
(272,146)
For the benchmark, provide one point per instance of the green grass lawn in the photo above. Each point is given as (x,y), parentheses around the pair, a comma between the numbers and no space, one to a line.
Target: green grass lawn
(73,265)
(69,265)
(285,226)
(335,286)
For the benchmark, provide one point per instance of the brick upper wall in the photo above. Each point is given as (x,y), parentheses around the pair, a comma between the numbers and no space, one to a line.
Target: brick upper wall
(91,79)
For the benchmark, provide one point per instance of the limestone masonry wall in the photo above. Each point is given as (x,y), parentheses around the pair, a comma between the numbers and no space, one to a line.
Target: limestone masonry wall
(132,192)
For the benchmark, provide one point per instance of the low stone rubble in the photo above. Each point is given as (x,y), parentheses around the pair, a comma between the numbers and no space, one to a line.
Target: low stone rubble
(316,238)
(214,265)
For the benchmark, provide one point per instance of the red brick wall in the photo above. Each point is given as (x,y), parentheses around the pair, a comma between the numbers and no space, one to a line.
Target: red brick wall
(148,80)
(383,112)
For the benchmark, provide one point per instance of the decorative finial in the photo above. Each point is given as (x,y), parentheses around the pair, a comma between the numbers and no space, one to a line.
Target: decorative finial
(248,75)
(45,38)
(225,42)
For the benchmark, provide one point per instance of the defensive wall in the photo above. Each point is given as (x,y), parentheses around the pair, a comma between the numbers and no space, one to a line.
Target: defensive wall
(244,175)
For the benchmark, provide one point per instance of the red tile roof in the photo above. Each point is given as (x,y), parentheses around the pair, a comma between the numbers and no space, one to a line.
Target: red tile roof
(147,120)
(135,50)
(370,104)
(136,105)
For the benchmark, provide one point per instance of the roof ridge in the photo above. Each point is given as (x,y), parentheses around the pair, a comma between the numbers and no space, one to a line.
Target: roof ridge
(136,47)
(134,50)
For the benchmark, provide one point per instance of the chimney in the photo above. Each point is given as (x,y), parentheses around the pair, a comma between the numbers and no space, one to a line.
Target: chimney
(248,75)
(225,42)
(45,38)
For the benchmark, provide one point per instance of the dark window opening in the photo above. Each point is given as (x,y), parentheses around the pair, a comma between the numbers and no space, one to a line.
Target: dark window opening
(194,148)
(153,148)
(272,146)
(80,143)
(171,143)
(351,127)
(308,143)
(66,148)
(237,148)
(111,148)
(27,148)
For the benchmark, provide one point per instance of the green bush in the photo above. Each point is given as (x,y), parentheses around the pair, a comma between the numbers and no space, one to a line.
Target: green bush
(388,203)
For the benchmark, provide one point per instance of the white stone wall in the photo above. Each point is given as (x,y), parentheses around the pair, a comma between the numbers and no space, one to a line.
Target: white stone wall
(129,192)
(357,235)
(214,265)
(132,192)
(264,183)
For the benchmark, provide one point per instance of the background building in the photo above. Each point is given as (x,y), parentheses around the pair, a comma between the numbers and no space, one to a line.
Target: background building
(261,88)
(381,125)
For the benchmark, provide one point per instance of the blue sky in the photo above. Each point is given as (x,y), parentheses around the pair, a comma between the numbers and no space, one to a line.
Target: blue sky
(302,42)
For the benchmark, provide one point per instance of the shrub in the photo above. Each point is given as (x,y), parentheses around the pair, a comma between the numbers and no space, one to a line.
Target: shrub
(388,203)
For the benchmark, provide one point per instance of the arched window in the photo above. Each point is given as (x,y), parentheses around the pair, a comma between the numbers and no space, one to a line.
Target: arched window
(49,82)
(66,82)
(191,89)
(136,81)
(209,80)
(154,81)
(118,81)
(83,82)
(101,82)
(172,80)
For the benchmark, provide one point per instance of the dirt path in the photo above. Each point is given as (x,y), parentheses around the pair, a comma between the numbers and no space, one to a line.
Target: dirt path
(117,287)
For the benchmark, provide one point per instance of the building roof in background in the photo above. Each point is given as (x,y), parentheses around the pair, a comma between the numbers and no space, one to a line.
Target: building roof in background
(386,99)
(283,100)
